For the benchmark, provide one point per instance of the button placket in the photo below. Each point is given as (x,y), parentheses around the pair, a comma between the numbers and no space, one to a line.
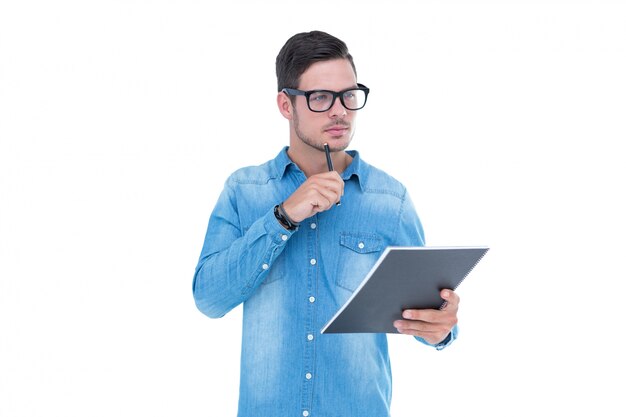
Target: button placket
(311,288)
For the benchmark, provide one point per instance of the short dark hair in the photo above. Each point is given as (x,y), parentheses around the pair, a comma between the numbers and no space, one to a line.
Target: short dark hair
(303,50)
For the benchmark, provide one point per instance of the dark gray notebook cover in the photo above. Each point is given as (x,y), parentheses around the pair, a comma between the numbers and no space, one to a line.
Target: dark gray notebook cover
(403,277)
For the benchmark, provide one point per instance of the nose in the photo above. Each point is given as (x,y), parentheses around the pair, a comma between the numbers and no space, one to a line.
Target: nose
(337,110)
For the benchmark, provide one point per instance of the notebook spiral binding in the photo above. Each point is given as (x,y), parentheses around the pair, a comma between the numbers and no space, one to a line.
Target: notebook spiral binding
(443,305)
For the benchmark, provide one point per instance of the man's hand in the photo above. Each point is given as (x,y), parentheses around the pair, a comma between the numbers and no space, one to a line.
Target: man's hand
(431,325)
(318,193)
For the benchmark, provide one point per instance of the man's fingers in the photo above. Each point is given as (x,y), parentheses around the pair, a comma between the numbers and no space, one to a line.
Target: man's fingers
(451,298)
(411,325)
(320,204)
(427,315)
(432,333)
(318,193)
(430,324)
(334,185)
(330,194)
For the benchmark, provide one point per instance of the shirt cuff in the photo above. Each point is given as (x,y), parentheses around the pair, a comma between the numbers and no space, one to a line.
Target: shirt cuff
(277,233)
(445,342)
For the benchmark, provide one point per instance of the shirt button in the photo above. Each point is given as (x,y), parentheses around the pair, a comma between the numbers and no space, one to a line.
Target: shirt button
(265,266)
(309,337)
(313,261)
(361,245)
(313,225)
(311,299)
(305,413)
(308,375)
(283,237)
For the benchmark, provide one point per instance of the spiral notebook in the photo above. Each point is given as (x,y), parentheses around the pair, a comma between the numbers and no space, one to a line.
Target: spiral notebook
(402,278)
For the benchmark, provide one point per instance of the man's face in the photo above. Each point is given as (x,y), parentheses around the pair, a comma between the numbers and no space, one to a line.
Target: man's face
(334,126)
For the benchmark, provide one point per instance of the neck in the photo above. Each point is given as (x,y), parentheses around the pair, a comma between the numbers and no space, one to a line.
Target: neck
(312,161)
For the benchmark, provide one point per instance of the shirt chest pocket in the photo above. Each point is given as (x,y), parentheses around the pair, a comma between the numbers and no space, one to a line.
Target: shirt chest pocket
(358,252)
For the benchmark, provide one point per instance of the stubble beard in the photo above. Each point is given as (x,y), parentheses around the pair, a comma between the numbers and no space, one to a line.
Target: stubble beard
(311,142)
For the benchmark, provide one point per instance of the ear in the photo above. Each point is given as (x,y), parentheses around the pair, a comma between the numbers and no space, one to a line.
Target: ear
(284,105)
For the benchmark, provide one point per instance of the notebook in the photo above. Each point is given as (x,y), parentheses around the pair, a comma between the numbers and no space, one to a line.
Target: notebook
(403,278)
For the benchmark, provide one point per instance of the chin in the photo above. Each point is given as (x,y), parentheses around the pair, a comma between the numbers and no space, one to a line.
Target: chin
(337,144)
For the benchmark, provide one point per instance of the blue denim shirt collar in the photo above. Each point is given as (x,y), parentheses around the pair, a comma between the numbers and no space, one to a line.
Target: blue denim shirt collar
(357,168)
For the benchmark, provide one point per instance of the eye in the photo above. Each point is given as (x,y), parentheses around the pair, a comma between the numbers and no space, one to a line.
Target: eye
(319,97)
(349,95)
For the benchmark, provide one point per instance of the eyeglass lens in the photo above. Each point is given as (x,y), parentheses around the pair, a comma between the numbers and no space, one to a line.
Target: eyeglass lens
(323,100)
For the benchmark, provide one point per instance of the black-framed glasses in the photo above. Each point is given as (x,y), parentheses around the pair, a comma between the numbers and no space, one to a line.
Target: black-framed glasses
(321,100)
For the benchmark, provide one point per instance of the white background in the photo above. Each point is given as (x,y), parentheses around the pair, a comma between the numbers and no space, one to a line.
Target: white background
(120,121)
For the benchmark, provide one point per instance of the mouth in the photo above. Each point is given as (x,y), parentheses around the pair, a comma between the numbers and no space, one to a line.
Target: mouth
(337,130)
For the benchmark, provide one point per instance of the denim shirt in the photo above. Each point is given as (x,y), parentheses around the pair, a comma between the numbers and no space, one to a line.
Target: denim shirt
(293,282)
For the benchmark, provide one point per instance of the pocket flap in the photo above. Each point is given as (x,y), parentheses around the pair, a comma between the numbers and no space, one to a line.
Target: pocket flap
(361,242)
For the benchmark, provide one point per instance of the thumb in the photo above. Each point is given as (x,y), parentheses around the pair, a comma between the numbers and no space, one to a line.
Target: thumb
(445,294)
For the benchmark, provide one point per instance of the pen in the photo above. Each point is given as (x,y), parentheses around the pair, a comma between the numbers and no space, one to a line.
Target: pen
(329,162)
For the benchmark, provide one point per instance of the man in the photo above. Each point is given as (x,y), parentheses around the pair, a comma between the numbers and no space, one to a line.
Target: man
(279,242)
